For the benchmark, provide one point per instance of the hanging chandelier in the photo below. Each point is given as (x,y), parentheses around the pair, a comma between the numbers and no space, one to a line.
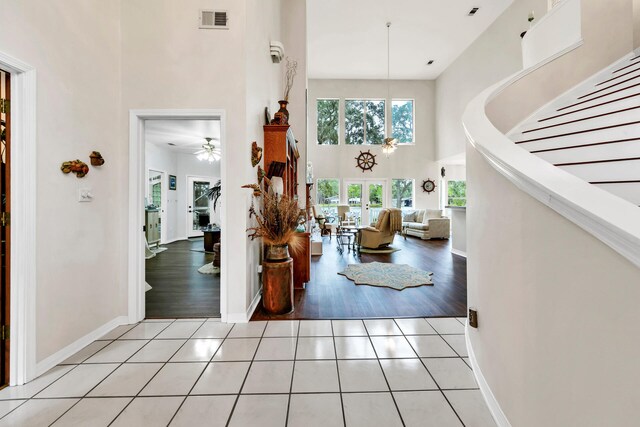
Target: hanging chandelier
(209,152)
(390,144)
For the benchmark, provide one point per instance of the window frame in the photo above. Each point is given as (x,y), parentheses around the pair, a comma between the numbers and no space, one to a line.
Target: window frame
(364,119)
(413,192)
(448,198)
(340,119)
(413,118)
(317,200)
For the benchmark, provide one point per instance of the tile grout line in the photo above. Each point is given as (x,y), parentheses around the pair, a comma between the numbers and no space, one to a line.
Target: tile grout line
(154,375)
(247,374)
(335,351)
(383,373)
(429,372)
(102,380)
(201,373)
(293,372)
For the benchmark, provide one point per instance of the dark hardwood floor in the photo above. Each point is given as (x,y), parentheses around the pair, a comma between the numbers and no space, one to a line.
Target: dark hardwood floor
(178,290)
(332,296)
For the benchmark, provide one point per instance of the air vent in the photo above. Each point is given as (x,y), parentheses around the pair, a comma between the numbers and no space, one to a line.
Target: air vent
(473,11)
(430,62)
(214,19)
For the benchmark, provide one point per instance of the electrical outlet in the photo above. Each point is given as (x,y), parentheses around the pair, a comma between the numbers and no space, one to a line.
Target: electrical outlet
(473,317)
(259,268)
(85,195)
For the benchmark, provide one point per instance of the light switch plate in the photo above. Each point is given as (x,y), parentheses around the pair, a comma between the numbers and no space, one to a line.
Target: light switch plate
(85,195)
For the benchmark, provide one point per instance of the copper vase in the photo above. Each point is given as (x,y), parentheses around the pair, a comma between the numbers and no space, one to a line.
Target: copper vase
(277,286)
(282,115)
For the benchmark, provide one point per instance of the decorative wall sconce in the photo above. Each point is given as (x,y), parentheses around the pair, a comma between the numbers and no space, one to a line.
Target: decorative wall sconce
(80,168)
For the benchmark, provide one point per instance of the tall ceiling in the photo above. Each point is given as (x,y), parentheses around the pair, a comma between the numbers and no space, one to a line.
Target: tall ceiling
(347,39)
(187,136)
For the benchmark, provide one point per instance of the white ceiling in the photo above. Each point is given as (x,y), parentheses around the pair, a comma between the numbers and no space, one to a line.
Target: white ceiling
(347,39)
(187,135)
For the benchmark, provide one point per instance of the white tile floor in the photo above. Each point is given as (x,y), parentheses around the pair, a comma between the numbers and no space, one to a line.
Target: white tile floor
(192,372)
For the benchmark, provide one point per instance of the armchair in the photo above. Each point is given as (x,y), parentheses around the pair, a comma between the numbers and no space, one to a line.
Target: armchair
(344,218)
(323,221)
(382,234)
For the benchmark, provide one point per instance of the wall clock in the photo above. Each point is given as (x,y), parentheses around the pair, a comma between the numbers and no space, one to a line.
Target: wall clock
(366,161)
(428,186)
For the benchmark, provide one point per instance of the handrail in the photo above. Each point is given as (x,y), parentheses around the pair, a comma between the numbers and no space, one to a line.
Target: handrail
(614,221)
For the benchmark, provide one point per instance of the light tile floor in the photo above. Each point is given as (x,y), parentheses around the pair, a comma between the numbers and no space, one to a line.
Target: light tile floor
(192,372)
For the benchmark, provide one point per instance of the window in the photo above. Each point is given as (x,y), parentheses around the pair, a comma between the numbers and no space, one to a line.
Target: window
(327,121)
(328,196)
(364,121)
(457,192)
(402,193)
(402,120)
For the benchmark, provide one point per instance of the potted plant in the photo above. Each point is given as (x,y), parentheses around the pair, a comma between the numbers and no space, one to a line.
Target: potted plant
(277,219)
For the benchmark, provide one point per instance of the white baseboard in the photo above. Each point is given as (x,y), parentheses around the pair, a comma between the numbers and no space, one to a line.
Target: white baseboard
(173,240)
(245,317)
(494,407)
(62,355)
(458,252)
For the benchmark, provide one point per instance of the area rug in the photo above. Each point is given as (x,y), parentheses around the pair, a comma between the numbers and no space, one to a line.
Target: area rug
(394,276)
(209,269)
(387,250)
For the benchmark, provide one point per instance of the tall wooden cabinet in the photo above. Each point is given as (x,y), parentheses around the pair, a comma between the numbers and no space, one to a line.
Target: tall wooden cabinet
(281,159)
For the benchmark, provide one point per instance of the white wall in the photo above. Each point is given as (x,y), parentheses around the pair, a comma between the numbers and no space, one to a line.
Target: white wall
(176,204)
(496,54)
(411,161)
(75,50)
(557,310)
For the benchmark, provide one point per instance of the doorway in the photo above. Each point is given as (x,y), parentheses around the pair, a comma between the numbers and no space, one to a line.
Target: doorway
(365,198)
(164,151)
(5,231)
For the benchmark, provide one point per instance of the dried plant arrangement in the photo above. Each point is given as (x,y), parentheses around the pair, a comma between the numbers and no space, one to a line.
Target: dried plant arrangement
(277,218)
(289,76)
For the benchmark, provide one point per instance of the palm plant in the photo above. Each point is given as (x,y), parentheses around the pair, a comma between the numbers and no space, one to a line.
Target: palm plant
(214,193)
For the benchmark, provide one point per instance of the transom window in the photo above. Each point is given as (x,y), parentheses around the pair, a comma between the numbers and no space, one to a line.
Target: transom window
(402,120)
(328,121)
(364,121)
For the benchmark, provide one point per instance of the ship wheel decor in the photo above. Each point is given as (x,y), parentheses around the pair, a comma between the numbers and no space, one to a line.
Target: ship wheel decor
(366,161)
(428,186)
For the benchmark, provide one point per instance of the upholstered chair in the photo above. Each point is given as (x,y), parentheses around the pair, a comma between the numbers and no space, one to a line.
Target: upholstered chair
(382,234)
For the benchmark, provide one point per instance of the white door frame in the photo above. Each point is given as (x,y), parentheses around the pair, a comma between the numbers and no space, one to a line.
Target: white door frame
(137,181)
(163,201)
(22,357)
(189,223)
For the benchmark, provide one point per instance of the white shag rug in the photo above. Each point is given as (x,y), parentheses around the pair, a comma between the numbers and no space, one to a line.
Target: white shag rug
(209,269)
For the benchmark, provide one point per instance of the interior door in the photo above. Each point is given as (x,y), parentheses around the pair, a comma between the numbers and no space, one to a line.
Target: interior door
(198,205)
(366,198)
(157,197)
(5,230)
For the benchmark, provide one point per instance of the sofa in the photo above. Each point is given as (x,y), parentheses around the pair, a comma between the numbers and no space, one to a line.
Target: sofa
(426,224)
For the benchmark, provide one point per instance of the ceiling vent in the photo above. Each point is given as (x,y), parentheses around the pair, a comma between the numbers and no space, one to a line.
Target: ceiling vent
(473,11)
(214,19)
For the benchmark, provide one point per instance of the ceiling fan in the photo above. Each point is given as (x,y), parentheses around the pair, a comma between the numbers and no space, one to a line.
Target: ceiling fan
(209,152)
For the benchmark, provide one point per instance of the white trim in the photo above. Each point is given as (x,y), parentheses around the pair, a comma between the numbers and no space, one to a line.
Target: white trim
(458,252)
(494,407)
(22,357)
(62,355)
(245,317)
(137,118)
(607,217)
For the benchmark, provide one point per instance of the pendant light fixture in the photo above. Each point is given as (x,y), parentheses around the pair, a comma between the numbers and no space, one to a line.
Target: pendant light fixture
(390,143)
(209,152)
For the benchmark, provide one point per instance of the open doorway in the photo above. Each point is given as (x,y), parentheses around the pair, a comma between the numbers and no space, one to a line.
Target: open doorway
(182,165)
(5,233)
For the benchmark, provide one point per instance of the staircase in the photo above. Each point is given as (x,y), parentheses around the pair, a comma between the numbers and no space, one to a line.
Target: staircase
(593,131)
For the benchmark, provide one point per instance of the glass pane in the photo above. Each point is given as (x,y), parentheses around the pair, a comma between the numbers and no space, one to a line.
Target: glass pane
(402,193)
(328,121)
(328,196)
(457,192)
(354,122)
(375,122)
(375,202)
(402,120)
(354,192)
(201,212)
(155,189)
